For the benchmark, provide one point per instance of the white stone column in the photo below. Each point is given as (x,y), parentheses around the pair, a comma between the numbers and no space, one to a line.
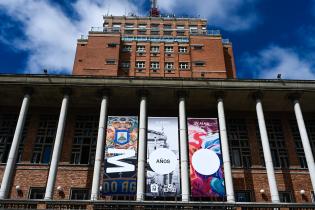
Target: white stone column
(305,141)
(11,162)
(266,149)
(99,154)
(183,148)
(57,148)
(142,146)
(225,152)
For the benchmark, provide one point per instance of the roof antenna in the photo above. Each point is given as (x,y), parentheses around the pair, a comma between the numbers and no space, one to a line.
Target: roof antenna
(154,12)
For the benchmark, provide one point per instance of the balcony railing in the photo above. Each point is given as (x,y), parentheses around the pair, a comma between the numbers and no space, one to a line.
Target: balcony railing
(193,32)
(80,204)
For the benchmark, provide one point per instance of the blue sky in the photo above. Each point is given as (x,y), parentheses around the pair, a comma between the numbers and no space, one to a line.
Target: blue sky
(269,36)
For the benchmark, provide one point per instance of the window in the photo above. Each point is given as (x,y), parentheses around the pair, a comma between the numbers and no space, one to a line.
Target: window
(128,31)
(126,48)
(141,32)
(155,32)
(243,196)
(198,46)
(313,196)
(199,63)
(84,142)
(285,197)
(310,127)
(155,65)
(278,149)
(45,139)
(167,33)
(7,129)
(79,194)
(155,25)
(116,27)
(112,45)
(180,28)
(169,49)
(169,65)
(193,29)
(239,144)
(155,49)
(36,193)
(142,27)
(183,65)
(141,48)
(125,65)
(140,64)
(167,26)
(110,62)
(182,49)
(129,25)
(180,33)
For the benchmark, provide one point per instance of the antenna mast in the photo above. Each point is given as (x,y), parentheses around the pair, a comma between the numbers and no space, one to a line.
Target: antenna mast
(154,12)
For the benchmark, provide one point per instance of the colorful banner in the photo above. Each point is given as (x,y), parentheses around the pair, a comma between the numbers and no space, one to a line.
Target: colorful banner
(206,165)
(120,156)
(163,178)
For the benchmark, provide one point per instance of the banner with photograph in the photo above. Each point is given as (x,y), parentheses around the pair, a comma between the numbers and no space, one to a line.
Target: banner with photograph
(120,156)
(163,177)
(206,164)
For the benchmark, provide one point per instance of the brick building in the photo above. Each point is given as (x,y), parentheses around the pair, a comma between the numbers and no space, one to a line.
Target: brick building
(52,127)
(154,47)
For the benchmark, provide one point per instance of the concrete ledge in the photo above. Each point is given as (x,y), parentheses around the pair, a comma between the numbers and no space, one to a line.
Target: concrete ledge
(63,80)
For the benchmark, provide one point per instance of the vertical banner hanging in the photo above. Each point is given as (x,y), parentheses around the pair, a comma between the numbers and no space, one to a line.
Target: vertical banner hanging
(120,156)
(163,178)
(206,165)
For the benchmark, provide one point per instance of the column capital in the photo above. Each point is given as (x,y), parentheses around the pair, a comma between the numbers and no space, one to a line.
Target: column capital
(143,93)
(258,95)
(103,92)
(66,91)
(182,94)
(295,96)
(219,95)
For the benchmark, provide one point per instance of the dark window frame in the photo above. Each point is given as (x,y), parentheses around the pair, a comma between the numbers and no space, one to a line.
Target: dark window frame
(239,141)
(7,129)
(45,139)
(248,192)
(286,197)
(277,142)
(310,127)
(87,195)
(32,189)
(84,140)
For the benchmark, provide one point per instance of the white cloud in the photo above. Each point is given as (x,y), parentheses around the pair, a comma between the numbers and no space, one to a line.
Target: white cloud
(49,34)
(274,60)
(228,14)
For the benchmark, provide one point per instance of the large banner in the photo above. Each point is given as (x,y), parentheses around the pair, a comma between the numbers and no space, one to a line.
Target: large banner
(163,157)
(120,156)
(206,165)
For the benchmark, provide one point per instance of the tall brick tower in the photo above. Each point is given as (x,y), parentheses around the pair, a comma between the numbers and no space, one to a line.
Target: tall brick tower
(154,46)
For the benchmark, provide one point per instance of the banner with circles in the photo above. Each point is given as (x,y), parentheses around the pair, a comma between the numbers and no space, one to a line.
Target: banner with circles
(206,165)
(163,178)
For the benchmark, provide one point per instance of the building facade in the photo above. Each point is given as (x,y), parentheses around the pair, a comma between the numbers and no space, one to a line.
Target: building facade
(154,47)
(147,84)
